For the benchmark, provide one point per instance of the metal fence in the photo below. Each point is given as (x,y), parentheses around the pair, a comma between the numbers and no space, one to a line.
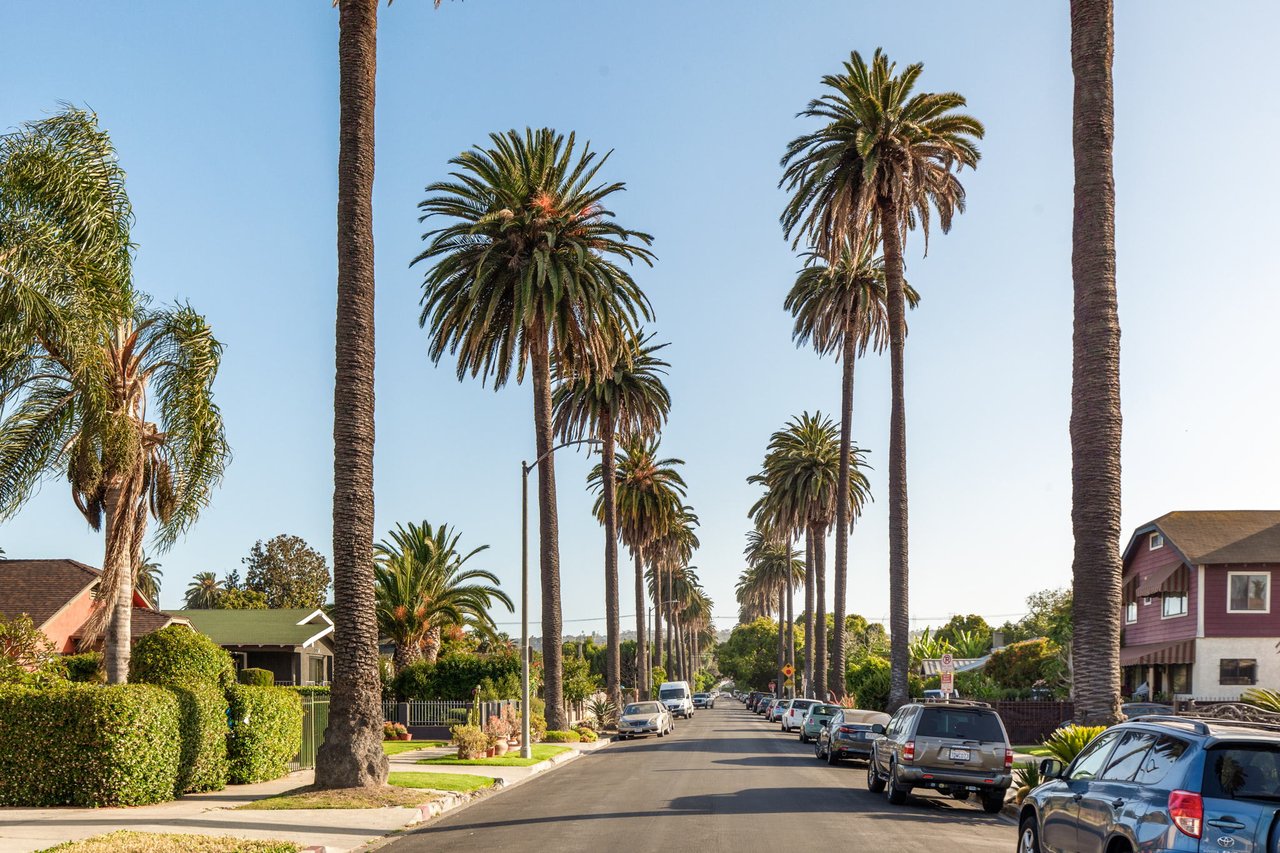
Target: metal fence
(1032,722)
(315,718)
(440,712)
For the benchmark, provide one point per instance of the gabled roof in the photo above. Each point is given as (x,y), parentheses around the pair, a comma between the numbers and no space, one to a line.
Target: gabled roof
(1215,537)
(40,588)
(284,627)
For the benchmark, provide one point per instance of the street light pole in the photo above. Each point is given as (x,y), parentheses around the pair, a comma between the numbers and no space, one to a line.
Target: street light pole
(526,748)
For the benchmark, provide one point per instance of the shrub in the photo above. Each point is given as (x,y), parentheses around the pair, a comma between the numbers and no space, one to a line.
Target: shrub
(455,675)
(1021,665)
(496,728)
(586,735)
(255,677)
(603,711)
(556,736)
(1261,697)
(86,667)
(1025,777)
(392,731)
(537,720)
(179,655)
(85,745)
(1069,741)
(27,654)
(472,742)
(266,732)
(202,732)
(311,690)
(869,681)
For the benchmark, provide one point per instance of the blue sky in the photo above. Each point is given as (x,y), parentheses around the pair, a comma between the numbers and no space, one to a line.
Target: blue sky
(225,116)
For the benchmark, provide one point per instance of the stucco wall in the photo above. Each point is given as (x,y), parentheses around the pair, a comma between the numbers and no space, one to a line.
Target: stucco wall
(1210,650)
(60,628)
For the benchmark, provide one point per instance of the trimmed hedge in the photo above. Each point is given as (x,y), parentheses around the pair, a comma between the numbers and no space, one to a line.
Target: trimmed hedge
(556,736)
(255,677)
(454,675)
(266,732)
(868,682)
(179,655)
(85,667)
(86,745)
(202,726)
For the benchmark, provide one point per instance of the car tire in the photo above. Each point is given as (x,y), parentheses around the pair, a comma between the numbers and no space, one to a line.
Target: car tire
(874,783)
(804,738)
(833,756)
(817,749)
(961,795)
(993,801)
(1028,835)
(896,793)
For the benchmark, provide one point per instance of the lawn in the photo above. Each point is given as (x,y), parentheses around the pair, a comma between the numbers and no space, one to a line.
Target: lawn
(395,747)
(347,798)
(462,782)
(1036,749)
(153,842)
(541,752)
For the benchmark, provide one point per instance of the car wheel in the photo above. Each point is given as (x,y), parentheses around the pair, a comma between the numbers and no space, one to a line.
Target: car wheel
(896,793)
(833,756)
(992,801)
(1028,835)
(874,783)
(817,749)
(803,737)
(960,794)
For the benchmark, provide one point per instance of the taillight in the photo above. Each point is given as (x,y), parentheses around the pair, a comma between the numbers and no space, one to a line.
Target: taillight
(909,751)
(848,730)
(1008,759)
(1187,811)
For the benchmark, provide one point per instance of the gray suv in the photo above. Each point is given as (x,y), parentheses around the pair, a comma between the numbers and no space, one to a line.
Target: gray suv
(956,748)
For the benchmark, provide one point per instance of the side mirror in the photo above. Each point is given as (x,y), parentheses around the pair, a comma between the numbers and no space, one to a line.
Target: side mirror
(1052,768)
(877,729)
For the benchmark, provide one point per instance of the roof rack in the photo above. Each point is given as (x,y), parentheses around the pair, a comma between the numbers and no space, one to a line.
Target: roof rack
(1242,724)
(1199,725)
(932,700)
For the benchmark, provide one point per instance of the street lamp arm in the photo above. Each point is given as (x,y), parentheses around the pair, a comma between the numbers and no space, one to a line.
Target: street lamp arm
(538,461)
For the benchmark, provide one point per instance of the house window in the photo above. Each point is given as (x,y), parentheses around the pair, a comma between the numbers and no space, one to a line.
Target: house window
(1237,671)
(1131,612)
(1248,592)
(1175,604)
(1156,541)
(316,666)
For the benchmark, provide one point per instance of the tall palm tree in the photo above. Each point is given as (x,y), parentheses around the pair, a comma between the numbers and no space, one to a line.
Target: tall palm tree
(146,579)
(841,308)
(649,498)
(627,398)
(774,570)
(669,552)
(422,588)
(528,271)
(203,591)
(884,161)
(1095,382)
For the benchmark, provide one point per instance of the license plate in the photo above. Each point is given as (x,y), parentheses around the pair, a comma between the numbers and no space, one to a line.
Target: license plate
(959,754)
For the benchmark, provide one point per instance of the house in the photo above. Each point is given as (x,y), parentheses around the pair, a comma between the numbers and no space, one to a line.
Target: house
(295,644)
(58,596)
(1197,604)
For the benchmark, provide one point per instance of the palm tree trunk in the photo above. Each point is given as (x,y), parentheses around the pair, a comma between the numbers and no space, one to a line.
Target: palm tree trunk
(1095,380)
(671,664)
(791,622)
(657,615)
(899,606)
(782,641)
(613,615)
(407,653)
(351,755)
(430,645)
(808,612)
(642,651)
(117,578)
(549,539)
(844,515)
(820,619)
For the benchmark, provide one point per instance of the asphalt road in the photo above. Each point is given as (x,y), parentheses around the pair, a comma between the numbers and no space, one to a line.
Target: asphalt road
(724,781)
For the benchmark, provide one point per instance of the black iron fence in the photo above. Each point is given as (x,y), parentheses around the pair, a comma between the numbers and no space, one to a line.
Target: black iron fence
(1030,721)
(315,718)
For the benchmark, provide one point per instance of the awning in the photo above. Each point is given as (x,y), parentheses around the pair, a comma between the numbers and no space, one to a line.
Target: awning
(1149,583)
(1157,653)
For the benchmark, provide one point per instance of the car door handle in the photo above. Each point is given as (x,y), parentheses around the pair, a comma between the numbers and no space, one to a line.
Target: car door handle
(1077,797)
(1226,823)
(1115,804)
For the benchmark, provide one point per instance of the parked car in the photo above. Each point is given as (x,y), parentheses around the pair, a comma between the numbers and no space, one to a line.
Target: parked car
(955,747)
(793,716)
(777,709)
(1138,709)
(678,698)
(849,733)
(762,705)
(704,700)
(1160,783)
(816,720)
(645,718)
(753,698)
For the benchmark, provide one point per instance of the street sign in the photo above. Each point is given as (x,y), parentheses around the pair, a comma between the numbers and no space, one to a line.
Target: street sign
(790,682)
(948,663)
(948,682)
(788,670)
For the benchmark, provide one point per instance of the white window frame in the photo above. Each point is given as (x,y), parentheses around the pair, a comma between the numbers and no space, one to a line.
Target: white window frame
(1264,610)
(1155,542)
(1131,607)
(1186,598)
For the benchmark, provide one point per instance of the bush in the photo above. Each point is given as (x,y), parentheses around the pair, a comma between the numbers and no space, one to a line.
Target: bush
(1069,741)
(266,732)
(1021,665)
(392,731)
(555,736)
(202,732)
(587,735)
(179,655)
(455,674)
(472,742)
(869,681)
(537,720)
(85,745)
(256,677)
(310,690)
(85,667)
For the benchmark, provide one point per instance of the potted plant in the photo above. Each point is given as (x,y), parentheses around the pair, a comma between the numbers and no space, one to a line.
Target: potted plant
(512,718)
(471,740)
(498,732)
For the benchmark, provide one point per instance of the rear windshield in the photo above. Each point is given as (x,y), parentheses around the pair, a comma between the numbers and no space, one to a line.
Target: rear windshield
(672,693)
(802,703)
(824,710)
(961,723)
(700,696)
(1243,772)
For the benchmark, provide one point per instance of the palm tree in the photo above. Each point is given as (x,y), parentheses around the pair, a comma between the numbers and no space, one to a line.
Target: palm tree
(670,552)
(526,273)
(146,579)
(422,588)
(841,308)
(203,591)
(649,497)
(630,398)
(884,161)
(774,570)
(1095,385)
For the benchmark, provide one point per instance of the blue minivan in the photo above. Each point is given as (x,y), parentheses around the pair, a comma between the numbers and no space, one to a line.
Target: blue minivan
(1160,783)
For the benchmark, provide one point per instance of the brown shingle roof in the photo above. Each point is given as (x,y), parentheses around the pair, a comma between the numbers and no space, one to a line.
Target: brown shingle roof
(1223,536)
(40,588)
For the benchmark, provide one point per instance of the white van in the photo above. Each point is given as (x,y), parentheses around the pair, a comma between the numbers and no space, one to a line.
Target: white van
(678,698)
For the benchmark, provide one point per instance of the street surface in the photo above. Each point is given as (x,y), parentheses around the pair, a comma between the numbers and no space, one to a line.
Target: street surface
(724,781)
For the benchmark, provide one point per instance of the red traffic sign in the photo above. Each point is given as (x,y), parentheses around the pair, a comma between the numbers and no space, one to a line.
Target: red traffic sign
(788,670)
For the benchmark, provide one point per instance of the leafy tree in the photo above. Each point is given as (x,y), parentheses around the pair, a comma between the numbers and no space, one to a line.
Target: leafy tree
(864,639)
(1049,614)
(748,656)
(526,273)
(958,625)
(26,653)
(579,683)
(1022,664)
(288,571)
(241,599)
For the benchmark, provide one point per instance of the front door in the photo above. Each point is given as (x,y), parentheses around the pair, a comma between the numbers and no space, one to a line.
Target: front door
(1060,809)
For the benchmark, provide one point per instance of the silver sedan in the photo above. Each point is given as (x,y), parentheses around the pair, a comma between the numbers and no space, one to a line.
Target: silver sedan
(645,718)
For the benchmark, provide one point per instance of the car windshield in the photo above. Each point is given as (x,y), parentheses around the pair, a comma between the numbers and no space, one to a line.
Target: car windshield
(671,693)
(960,723)
(640,708)
(1243,772)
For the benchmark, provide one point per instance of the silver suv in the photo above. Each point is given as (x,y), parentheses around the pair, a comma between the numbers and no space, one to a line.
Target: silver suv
(957,748)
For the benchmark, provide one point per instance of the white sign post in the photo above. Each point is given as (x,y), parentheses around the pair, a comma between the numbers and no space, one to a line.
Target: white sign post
(947,677)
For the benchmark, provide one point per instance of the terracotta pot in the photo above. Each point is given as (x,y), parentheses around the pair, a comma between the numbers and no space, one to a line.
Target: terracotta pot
(491,752)
(500,748)
(406,736)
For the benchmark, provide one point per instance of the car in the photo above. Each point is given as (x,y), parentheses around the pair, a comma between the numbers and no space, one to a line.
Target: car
(765,708)
(1160,783)
(815,720)
(645,718)
(678,698)
(849,733)
(753,698)
(704,700)
(763,703)
(954,747)
(794,713)
(776,710)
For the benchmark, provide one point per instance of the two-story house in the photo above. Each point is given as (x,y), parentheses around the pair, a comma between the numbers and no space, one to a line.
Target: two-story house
(1198,614)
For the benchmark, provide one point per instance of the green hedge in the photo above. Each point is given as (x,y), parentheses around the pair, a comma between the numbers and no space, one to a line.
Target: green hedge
(557,736)
(179,655)
(86,667)
(455,675)
(86,745)
(1022,664)
(266,732)
(203,738)
(256,677)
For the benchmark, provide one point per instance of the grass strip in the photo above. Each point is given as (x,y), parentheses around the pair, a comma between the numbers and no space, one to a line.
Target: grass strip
(124,841)
(460,782)
(311,797)
(540,751)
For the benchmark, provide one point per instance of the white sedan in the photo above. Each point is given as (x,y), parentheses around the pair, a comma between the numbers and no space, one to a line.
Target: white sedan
(645,718)
(793,717)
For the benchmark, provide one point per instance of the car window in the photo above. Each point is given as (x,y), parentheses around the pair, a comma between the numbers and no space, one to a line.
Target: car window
(1159,759)
(671,693)
(959,723)
(1128,756)
(1243,771)
(640,708)
(825,710)
(1090,762)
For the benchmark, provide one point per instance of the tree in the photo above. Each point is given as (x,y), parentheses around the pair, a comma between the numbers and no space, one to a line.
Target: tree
(527,272)
(146,578)
(422,589)
(627,398)
(241,599)
(747,656)
(24,648)
(288,571)
(1095,374)
(204,591)
(883,162)
(960,625)
(773,570)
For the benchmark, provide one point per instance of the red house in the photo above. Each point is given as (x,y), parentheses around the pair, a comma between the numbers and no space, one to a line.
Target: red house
(1198,615)
(58,596)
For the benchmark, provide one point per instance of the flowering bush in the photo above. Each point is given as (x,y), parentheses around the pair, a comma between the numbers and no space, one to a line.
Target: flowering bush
(496,728)
(393,731)
(471,741)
